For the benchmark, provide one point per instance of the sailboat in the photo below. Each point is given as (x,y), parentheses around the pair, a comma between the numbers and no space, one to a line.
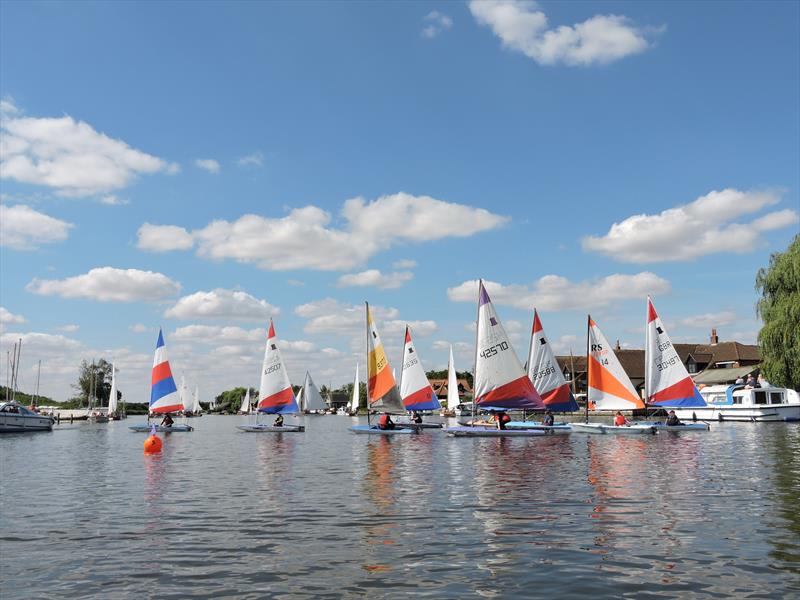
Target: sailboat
(547,378)
(164,397)
(382,392)
(667,383)
(244,409)
(415,389)
(609,387)
(313,403)
(275,391)
(112,396)
(453,399)
(197,410)
(354,398)
(500,381)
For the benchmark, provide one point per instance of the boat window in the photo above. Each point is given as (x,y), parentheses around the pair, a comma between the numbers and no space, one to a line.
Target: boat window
(737,399)
(775,398)
(759,397)
(716,399)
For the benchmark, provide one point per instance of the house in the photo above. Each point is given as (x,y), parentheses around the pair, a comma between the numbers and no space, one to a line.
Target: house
(440,387)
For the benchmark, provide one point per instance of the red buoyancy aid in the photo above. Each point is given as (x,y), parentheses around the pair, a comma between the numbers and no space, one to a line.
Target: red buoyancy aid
(383,421)
(619,421)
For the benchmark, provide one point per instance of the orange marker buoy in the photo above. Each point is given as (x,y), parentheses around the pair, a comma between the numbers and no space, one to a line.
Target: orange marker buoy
(152,445)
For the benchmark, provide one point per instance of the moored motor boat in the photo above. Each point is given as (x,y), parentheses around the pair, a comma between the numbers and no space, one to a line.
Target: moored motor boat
(738,403)
(15,418)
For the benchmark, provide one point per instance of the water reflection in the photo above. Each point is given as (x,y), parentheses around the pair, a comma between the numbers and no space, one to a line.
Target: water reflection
(785,450)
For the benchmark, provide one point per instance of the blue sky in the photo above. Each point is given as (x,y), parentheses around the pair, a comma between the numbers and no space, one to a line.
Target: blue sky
(202,166)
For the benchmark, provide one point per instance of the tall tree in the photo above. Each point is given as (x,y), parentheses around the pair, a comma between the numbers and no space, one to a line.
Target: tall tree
(94,377)
(779,309)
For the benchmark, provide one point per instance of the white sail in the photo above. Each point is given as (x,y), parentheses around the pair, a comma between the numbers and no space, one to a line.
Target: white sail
(301,400)
(500,380)
(184,395)
(415,389)
(354,400)
(452,384)
(112,397)
(196,408)
(245,407)
(610,388)
(311,397)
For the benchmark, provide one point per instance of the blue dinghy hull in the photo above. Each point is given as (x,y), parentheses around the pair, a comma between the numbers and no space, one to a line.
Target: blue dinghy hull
(492,432)
(374,429)
(161,429)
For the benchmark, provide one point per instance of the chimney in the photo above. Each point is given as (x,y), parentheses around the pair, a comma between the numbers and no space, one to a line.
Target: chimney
(618,346)
(714,337)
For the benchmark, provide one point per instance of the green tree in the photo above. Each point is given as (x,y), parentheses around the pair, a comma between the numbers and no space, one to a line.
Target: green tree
(779,309)
(94,377)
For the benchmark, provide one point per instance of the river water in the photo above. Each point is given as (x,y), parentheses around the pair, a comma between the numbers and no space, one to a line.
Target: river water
(326,513)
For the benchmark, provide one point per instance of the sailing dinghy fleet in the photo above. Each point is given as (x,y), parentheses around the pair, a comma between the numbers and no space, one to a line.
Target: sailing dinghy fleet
(501,384)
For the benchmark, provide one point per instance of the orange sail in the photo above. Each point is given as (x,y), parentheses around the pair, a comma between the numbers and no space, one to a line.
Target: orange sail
(610,388)
(382,391)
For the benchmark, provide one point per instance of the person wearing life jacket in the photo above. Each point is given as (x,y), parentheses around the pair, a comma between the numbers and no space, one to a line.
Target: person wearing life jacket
(502,418)
(167,420)
(548,419)
(619,420)
(416,417)
(385,422)
(278,421)
(673,420)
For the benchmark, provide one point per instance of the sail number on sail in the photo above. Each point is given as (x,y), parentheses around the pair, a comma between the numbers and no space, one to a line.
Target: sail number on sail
(492,350)
(548,371)
(410,363)
(272,369)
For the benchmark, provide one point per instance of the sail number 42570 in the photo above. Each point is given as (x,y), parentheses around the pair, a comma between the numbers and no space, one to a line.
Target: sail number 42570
(492,350)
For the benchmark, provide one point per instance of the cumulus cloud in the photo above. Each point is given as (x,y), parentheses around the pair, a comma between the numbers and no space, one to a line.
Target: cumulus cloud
(305,239)
(374,278)
(221,304)
(207,164)
(252,160)
(69,156)
(708,320)
(163,238)
(112,200)
(6,316)
(435,23)
(404,264)
(553,292)
(68,328)
(693,230)
(24,228)
(214,334)
(332,316)
(107,284)
(140,328)
(522,27)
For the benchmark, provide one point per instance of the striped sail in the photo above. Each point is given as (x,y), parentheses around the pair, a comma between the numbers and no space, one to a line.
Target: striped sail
(354,400)
(544,372)
(382,392)
(415,389)
(667,382)
(312,399)
(163,392)
(452,383)
(275,391)
(500,380)
(610,388)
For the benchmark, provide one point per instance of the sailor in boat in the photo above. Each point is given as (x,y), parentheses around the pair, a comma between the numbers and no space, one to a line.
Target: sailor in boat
(386,422)
(620,420)
(167,421)
(278,421)
(673,420)
(416,417)
(548,419)
(502,418)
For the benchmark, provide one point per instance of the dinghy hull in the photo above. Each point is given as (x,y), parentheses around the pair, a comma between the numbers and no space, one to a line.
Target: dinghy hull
(684,427)
(161,428)
(272,428)
(603,428)
(419,425)
(490,432)
(556,428)
(375,430)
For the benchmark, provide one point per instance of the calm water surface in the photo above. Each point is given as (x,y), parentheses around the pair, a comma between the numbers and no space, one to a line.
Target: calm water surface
(330,514)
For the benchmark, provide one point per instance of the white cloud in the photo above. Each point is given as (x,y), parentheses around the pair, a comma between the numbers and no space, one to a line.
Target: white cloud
(139,328)
(221,304)
(418,328)
(435,23)
(216,334)
(207,164)
(6,316)
(304,239)
(7,107)
(374,278)
(68,328)
(112,200)
(566,343)
(404,264)
(69,156)
(601,39)
(107,284)
(708,320)
(163,238)
(24,228)
(252,160)
(556,293)
(693,230)
(296,282)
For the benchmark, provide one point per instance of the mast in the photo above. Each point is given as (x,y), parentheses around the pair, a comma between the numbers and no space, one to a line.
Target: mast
(588,322)
(572,370)
(366,342)
(475,362)
(38,375)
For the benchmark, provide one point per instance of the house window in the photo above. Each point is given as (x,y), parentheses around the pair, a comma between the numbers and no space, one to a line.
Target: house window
(691,366)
